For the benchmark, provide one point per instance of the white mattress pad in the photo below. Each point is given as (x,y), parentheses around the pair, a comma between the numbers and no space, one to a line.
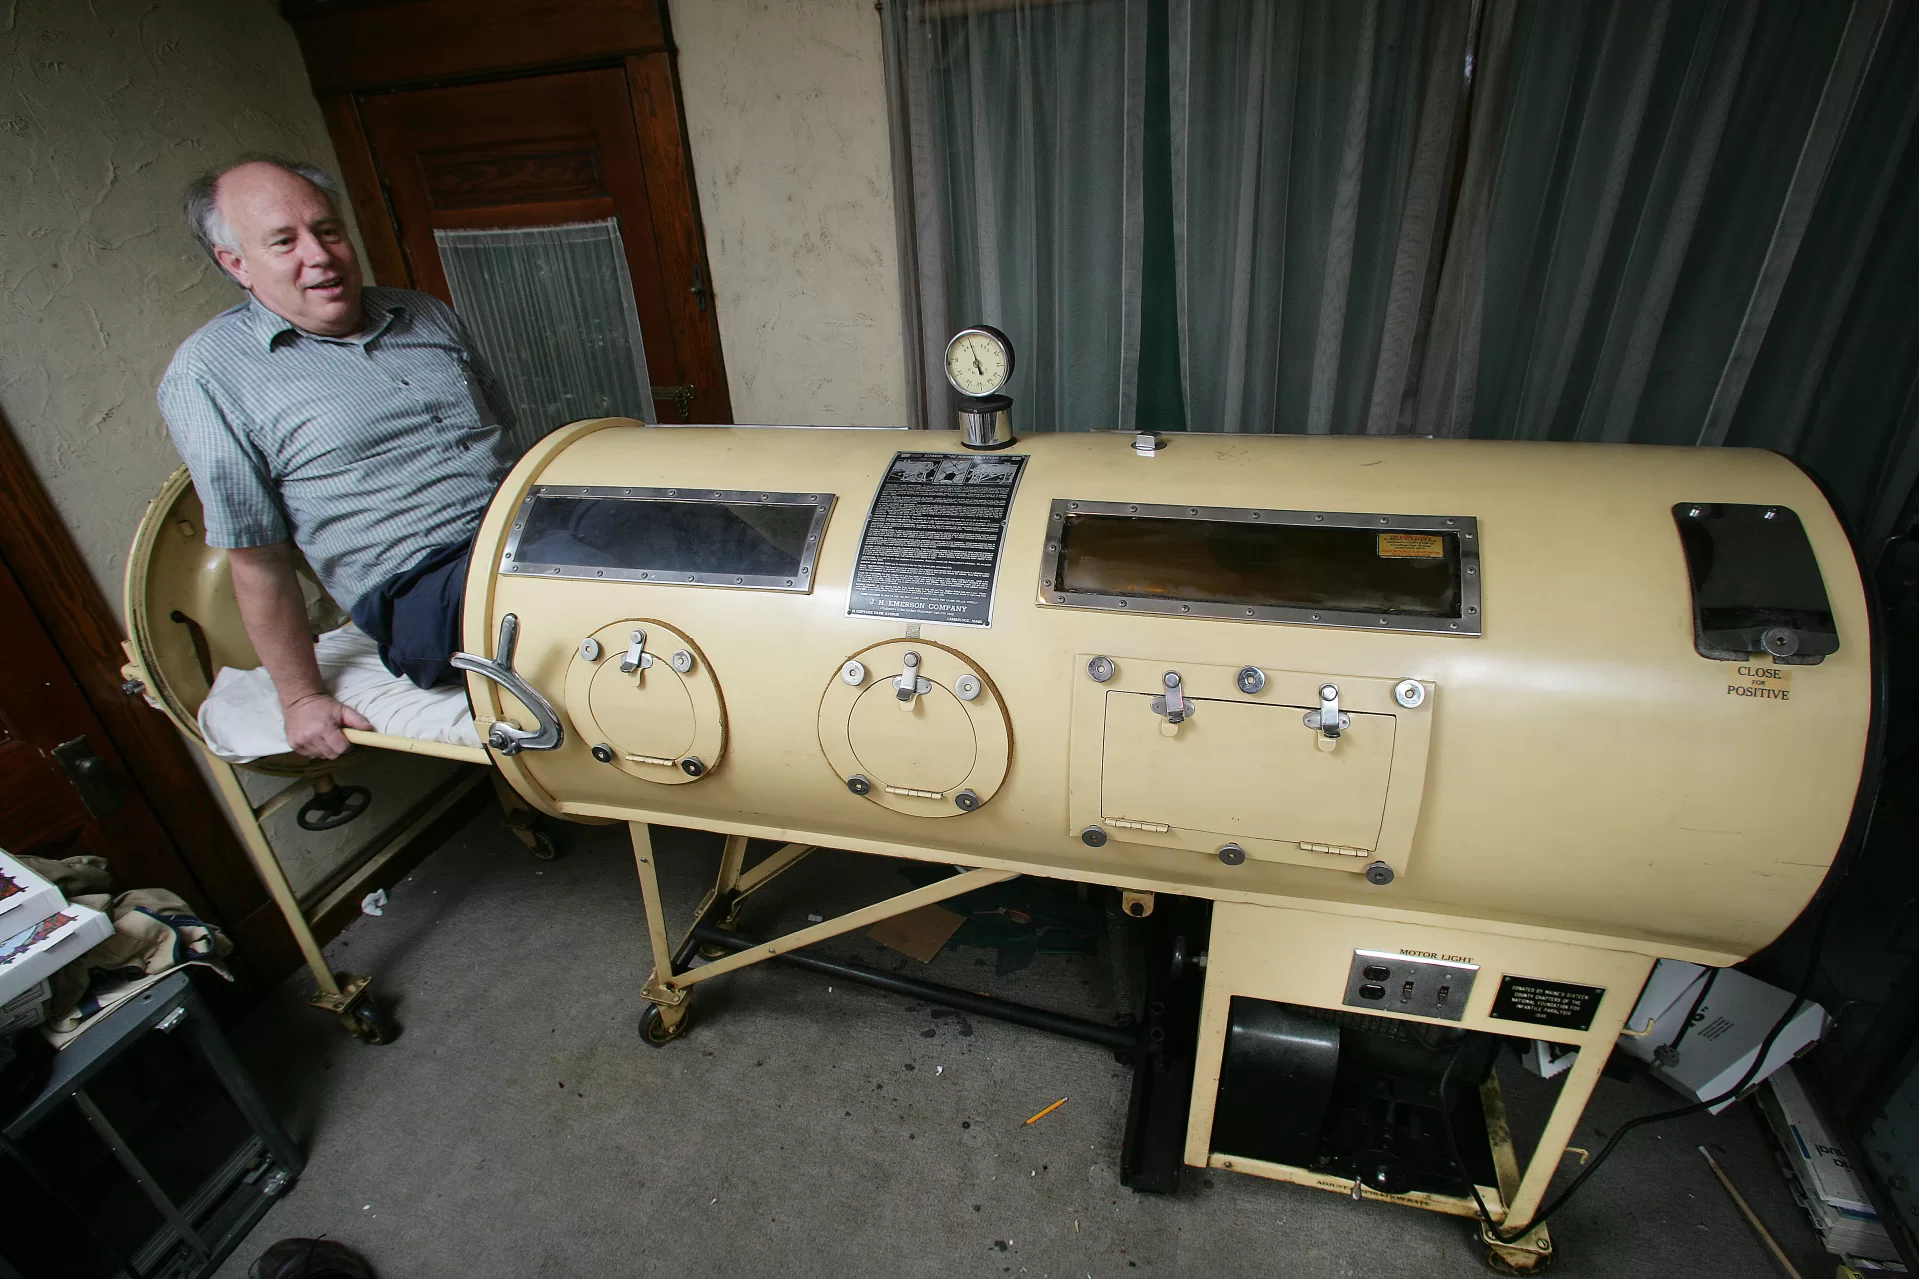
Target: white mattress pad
(241,719)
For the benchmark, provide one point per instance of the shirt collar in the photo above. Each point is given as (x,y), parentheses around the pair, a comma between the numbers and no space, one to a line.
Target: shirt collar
(271,326)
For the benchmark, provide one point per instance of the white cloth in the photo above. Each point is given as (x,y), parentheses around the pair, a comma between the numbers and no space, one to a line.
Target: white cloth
(241,719)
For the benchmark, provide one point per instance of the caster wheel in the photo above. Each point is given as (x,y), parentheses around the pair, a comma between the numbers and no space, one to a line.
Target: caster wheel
(542,846)
(370,1026)
(653,1029)
(710,952)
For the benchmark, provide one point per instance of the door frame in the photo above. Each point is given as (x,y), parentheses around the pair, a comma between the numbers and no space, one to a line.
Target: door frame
(68,603)
(385,46)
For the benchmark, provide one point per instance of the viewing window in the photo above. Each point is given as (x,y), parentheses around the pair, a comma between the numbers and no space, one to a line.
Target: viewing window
(766,541)
(1334,569)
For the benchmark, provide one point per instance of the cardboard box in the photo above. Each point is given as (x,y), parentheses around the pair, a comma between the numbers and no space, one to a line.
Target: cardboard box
(25,898)
(30,956)
(1736,1016)
(1814,1153)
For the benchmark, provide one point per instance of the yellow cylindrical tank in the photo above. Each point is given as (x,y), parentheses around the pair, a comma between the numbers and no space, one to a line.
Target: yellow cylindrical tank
(1566,691)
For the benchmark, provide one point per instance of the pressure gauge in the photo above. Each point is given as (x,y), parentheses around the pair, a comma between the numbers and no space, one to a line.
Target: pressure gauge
(979,361)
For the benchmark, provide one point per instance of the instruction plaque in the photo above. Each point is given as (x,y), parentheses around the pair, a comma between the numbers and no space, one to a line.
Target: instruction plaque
(931,549)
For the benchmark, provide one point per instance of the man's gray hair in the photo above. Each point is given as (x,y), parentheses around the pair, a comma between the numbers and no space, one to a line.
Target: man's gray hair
(209,225)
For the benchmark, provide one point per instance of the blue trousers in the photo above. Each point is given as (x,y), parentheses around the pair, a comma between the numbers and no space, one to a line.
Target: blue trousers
(415,616)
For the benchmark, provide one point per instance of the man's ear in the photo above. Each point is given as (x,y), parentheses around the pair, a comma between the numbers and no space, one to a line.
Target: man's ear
(234,264)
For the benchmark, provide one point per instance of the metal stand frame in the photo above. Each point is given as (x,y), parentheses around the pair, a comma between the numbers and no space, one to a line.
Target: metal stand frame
(200,1233)
(713,937)
(344,994)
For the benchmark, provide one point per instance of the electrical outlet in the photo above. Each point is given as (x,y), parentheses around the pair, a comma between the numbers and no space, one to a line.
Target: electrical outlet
(1385,981)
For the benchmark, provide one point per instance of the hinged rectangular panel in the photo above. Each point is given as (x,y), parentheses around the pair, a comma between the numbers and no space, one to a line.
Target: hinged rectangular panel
(1246,771)
(1244,767)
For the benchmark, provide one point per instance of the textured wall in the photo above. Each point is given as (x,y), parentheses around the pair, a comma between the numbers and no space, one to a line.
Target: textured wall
(786,110)
(106,109)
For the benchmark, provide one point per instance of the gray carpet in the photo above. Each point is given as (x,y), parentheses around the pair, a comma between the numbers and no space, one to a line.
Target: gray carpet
(519,1127)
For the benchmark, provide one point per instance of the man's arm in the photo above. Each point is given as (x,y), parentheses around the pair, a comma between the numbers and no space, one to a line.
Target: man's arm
(275,614)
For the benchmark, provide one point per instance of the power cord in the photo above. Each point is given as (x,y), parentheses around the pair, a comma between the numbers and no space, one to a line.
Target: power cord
(1539,1219)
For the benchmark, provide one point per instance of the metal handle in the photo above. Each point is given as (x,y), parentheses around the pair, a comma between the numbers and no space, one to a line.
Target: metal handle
(505,737)
(1329,720)
(910,683)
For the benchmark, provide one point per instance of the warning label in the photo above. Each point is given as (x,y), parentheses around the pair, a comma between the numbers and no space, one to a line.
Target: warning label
(931,549)
(1761,682)
(1559,1004)
(1412,546)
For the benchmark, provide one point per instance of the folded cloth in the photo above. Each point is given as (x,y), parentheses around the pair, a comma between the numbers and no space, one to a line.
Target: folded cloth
(73,876)
(241,718)
(154,932)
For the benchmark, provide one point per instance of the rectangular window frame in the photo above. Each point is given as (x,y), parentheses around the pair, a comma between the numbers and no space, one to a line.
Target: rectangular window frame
(801,584)
(1469,622)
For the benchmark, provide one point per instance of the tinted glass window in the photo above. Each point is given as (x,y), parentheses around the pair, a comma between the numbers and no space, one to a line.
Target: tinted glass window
(740,539)
(1756,585)
(1263,565)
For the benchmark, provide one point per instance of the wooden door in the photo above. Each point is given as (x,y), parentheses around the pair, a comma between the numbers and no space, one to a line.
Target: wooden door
(64,789)
(550,149)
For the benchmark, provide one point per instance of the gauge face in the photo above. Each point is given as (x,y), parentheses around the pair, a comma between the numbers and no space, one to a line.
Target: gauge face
(979,360)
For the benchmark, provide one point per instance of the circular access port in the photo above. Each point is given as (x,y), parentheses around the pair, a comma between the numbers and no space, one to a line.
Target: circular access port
(928,746)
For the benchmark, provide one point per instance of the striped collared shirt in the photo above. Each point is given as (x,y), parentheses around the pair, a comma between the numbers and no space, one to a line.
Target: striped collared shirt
(366,452)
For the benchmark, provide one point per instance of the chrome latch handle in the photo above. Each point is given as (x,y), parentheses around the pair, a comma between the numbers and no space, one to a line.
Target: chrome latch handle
(910,683)
(506,737)
(637,658)
(1329,721)
(1175,706)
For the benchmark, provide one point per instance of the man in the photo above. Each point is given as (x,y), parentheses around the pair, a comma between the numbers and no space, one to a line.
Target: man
(357,424)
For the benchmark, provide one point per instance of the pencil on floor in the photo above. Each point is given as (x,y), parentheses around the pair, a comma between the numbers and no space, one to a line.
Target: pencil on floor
(1042,1114)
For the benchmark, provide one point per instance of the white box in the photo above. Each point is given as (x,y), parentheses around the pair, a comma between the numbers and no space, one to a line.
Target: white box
(25,898)
(1736,1016)
(1670,980)
(26,1010)
(1547,1059)
(1816,1158)
(32,955)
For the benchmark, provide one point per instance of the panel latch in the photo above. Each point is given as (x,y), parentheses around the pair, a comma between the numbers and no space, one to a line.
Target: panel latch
(909,684)
(1175,706)
(637,658)
(1329,721)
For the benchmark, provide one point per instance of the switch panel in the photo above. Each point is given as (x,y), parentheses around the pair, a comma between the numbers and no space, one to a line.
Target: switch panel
(1385,981)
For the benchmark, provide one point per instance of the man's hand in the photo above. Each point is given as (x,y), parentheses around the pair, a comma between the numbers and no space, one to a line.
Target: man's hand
(274,611)
(314,723)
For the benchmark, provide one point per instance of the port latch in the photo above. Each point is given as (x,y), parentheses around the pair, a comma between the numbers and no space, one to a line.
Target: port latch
(1392,982)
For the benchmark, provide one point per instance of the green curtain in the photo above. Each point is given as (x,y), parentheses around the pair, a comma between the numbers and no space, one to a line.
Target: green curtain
(1656,221)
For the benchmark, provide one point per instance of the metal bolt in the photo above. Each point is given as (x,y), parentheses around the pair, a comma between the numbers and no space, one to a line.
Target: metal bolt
(1772,513)
(968,687)
(966,801)
(603,753)
(133,687)
(589,650)
(1232,854)
(1093,837)
(692,766)
(859,785)
(854,673)
(1379,873)
(1409,693)
(1100,669)
(682,661)
(1250,679)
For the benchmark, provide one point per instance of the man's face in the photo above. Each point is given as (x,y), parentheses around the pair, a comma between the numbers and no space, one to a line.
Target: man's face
(294,253)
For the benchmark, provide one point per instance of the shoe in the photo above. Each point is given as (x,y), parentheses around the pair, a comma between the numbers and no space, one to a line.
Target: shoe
(310,1259)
